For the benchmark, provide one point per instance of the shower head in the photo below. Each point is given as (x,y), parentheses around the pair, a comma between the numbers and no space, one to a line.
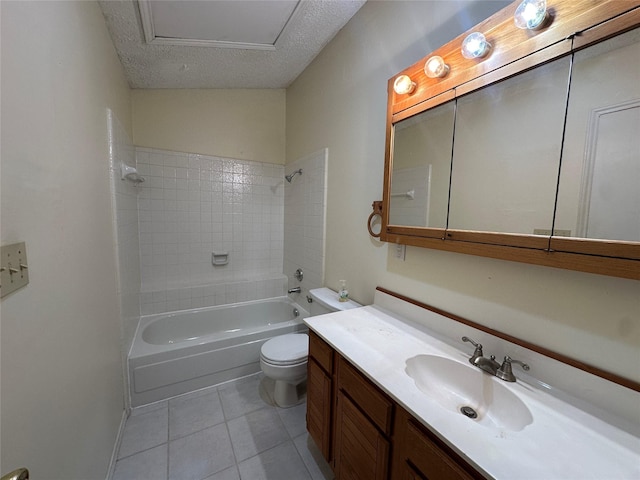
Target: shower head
(291,175)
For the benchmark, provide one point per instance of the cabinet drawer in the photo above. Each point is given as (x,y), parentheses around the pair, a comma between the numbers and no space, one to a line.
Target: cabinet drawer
(433,462)
(321,352)
(366,395)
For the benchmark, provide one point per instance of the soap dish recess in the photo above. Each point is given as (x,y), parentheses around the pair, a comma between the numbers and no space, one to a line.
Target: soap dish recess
(219,258)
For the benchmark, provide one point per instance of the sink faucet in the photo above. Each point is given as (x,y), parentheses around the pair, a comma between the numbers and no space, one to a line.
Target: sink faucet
(489,365)
(478,359)
(505,373)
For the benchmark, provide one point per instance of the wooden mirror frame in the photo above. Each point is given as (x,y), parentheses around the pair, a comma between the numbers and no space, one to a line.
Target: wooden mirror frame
(572,25)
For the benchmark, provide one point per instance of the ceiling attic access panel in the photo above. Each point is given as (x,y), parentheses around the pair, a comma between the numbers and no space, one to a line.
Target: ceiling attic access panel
(247,24)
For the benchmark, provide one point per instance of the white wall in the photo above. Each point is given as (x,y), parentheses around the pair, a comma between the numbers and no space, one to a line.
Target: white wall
(62,389)
(242,124)
(589,317)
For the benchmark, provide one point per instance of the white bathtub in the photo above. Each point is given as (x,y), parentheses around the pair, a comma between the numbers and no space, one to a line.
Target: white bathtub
(175,353)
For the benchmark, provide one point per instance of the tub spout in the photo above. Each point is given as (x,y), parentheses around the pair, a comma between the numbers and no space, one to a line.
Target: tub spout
(294,290)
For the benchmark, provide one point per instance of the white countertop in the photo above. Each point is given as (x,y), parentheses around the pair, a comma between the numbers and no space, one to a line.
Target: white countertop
(562,441)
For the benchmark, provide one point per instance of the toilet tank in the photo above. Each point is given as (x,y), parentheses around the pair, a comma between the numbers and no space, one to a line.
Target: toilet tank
(326,300)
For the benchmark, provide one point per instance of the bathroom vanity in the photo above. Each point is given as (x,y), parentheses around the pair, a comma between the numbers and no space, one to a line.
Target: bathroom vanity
(363,425)
(387,387)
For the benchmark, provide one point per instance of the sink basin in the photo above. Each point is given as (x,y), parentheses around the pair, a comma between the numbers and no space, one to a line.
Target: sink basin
(466,390)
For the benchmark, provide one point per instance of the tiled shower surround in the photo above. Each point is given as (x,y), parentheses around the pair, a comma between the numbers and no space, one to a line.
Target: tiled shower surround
(193,205)
(304,220)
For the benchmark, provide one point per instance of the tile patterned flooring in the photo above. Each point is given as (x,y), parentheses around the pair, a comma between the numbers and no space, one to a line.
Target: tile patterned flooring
(229,432)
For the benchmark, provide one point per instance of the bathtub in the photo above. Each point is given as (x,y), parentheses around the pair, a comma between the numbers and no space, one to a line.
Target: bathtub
(175,353)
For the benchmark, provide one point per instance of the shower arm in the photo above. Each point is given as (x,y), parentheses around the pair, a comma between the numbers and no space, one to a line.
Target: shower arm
(293,174)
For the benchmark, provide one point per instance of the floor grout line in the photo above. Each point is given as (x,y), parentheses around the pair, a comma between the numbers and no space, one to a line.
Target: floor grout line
(290,422)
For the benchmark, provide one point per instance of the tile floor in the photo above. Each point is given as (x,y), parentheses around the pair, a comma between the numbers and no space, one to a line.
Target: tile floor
(229,432)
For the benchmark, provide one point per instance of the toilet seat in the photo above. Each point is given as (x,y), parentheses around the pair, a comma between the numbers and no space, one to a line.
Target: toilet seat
(289,349)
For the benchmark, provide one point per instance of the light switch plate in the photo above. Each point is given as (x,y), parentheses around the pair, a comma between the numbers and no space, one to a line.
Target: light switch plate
(14,272)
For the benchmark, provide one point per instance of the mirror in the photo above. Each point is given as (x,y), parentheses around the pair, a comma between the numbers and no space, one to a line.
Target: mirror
(421,168)
(599,191)
(531,154)
(506,150)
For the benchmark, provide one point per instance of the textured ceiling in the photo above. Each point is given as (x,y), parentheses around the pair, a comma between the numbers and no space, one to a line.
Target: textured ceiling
(150,65)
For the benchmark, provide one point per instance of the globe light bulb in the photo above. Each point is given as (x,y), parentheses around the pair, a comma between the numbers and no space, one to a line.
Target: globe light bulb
(530,14)
(403,85)
(435,67)
(475,45)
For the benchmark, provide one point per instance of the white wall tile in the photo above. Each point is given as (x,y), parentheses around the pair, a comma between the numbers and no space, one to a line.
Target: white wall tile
(303,217)
(192,205)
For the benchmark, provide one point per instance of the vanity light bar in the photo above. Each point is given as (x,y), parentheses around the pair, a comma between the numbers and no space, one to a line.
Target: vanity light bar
(530,14)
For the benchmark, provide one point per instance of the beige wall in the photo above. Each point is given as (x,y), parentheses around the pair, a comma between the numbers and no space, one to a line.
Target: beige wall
(339,102)
(62,389)
(242,124)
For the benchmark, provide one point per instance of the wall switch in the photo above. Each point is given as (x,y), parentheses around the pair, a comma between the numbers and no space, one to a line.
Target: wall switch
(14,272)
(399,251)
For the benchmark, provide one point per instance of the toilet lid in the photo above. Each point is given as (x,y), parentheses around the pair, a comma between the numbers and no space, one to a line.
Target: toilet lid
(286,349)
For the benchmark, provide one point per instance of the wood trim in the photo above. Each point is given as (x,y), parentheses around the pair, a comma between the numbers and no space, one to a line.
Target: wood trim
(617,267)
(588,246)
(424,231)
(612,377)
(615,26)
(388,163)
(422,106)
(527,63)
(538,242)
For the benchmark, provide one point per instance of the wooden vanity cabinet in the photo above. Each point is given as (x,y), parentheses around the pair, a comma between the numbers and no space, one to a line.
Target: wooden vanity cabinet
(320,394)
(366,435)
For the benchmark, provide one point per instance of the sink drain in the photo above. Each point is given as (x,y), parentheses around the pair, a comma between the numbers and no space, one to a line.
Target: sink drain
(469,412)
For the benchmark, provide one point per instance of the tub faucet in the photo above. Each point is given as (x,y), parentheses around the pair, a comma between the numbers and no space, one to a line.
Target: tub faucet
(478,359)
(294,290)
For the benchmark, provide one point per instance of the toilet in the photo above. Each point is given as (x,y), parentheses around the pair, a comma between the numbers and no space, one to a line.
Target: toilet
(284,358)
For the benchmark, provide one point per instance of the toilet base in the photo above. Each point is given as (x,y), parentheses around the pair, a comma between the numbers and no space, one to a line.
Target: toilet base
(287,395)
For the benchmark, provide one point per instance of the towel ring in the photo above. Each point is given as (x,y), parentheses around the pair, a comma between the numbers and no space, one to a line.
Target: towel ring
(377,211)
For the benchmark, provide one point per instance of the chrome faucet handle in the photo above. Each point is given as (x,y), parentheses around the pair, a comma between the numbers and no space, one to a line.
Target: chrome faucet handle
(475,344)
(506,373)
(478,351)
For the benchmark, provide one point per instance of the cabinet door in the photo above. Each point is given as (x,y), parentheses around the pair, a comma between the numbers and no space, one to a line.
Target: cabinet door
(361,451)
(410,473)
(319,407)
